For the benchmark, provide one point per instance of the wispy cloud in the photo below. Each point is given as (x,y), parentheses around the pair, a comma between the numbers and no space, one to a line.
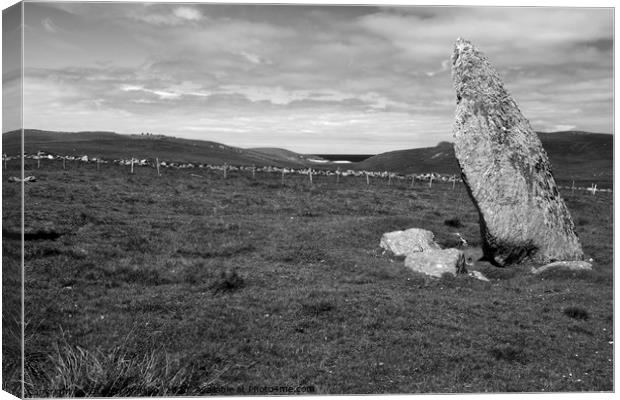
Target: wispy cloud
(166,15)
(188,13)
(49,25)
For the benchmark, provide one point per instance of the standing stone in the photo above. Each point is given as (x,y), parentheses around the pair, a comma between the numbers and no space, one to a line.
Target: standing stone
(506,170)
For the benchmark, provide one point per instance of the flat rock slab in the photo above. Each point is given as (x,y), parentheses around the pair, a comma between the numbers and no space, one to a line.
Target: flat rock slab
(565,265)
(436,262)
(410,241)
(478,275)
(506,170)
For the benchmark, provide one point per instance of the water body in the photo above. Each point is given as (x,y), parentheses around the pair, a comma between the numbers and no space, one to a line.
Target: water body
(345,157)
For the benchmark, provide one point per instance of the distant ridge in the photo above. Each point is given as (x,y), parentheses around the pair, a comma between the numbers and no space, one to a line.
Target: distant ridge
(112,145)
(573,154)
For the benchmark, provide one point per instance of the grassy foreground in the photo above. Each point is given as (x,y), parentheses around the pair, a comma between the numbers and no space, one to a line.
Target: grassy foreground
(184,284)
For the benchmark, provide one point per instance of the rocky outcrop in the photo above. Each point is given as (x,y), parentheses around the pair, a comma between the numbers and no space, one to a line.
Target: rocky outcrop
(564,265)
(478,275)
(437,262)
(413,240)
(422,254)
(506,170)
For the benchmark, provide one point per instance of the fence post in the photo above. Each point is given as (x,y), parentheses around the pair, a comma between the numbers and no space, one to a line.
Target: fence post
(367,179)
(573,188)
(338,175)
(97,163)
(225,171)
(310,175)
(253,171)
(282,176)
(389,179)
(453,181)
(132,164)
(157,163)
(63,162)
(412,179)
(430,182)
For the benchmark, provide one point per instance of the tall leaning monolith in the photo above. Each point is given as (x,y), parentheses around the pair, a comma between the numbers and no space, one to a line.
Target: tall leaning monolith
(506,170)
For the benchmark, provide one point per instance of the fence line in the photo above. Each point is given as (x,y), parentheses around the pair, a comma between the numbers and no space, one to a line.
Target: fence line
(429,177)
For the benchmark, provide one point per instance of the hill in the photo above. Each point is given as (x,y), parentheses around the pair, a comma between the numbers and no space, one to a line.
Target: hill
(112,145)
(288,155)
(579,156)
(438,159)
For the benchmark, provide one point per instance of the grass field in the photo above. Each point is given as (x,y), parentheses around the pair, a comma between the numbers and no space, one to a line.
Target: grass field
(179,284)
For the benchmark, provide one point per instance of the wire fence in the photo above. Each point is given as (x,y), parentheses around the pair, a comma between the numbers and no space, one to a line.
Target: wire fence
(284,174)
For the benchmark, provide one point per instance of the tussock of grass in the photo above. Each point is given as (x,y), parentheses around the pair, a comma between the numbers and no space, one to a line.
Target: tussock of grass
(576,313)
(229,281)
(509,353)
(11,352)
(453,222)
(317,307)
(78,372)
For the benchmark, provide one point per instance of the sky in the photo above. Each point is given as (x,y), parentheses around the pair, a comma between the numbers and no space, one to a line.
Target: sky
(312,79)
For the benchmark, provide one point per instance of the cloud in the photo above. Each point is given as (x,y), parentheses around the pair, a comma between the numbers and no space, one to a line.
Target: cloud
(49,25)
(165,15)
(162,94)
(445,66)
(188,13)
(374,78)
(169,93)
(533,34)
(253,58)
(558,128)
(282,97)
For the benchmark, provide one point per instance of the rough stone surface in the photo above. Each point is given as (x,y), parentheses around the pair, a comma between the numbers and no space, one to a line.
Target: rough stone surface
(403,243)
(435,262)
(506,170)
(478,275)
(567,265)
